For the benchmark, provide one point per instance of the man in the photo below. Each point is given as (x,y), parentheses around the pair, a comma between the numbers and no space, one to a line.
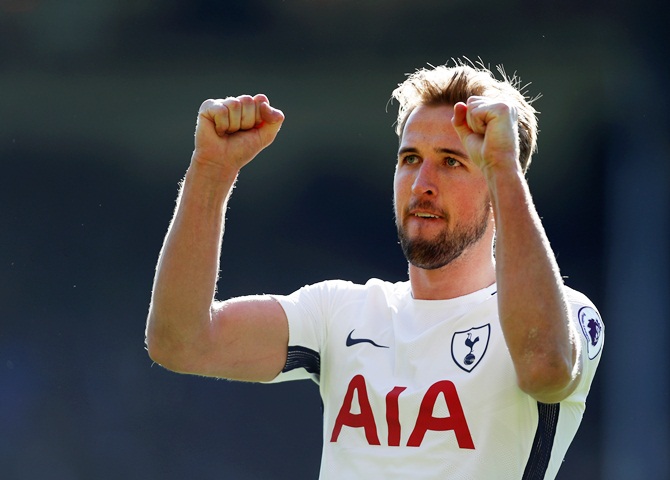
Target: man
(478,367)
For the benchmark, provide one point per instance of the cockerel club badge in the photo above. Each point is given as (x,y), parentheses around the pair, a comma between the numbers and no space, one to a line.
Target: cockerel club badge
(468,347)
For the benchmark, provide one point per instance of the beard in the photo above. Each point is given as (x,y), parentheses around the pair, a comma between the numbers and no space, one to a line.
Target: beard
(447,246)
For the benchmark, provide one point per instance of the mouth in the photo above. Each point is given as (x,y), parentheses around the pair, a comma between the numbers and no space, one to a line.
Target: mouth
(424,210)
(424,215)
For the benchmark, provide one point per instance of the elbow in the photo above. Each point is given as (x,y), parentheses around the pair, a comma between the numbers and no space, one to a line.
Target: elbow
(165,355)
(154,349)
(549,380)
(174,349)
(157,350)
(161,347)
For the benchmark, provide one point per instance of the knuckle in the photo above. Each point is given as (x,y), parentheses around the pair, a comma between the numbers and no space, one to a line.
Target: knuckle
(232,103)
(206,105)
(260,97)
(503,107)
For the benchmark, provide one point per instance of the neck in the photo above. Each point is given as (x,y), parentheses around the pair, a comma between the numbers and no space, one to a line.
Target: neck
(472,271)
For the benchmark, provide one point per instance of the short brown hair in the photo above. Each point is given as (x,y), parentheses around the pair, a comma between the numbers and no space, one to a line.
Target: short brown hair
(448,85)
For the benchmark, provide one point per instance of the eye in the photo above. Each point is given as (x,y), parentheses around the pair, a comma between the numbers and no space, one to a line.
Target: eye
(452,162)
(411,159)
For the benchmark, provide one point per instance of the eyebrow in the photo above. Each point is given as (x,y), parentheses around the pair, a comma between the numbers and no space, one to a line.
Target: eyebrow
(447,151)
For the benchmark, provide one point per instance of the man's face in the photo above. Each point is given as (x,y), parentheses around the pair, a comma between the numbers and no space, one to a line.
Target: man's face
(441,199)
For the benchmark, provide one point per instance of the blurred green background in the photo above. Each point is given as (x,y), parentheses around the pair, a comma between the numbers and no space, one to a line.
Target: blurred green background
(98,102)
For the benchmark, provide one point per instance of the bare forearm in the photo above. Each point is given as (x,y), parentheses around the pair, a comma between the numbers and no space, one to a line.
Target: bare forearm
(533,309)
(188,264)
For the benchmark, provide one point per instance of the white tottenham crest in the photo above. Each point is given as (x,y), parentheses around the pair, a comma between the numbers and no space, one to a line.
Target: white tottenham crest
(592,328)
(469,347)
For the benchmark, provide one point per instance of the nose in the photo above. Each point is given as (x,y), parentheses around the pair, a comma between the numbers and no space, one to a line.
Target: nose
(425,182)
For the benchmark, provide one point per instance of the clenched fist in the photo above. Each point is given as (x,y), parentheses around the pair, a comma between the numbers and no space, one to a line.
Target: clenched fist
(230,132)
(489,132)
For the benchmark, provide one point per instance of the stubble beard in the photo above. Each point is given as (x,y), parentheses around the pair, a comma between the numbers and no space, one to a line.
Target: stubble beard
(447,246)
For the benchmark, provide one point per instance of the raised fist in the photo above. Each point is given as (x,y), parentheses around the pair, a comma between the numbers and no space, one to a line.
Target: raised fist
(230,132)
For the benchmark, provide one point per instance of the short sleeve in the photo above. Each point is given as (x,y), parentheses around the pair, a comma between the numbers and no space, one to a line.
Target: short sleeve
(308,311)
(591,334)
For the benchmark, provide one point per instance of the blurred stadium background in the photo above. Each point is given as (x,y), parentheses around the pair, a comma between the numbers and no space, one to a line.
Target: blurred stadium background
(97,108)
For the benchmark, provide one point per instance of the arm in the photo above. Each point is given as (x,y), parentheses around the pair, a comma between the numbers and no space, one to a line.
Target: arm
(534,314)
(187,330)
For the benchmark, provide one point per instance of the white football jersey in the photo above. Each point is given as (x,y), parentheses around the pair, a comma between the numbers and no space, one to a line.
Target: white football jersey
(426,389)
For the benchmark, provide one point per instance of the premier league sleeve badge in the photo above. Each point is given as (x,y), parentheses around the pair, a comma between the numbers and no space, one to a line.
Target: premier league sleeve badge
(592,328)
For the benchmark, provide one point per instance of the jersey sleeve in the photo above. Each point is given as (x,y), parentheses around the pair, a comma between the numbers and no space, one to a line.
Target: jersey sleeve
(591,334)
(308,311)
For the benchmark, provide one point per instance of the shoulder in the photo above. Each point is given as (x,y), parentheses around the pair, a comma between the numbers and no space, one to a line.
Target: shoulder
(372,286)
(337,294)
(586,315)
(577,298)
(590,328)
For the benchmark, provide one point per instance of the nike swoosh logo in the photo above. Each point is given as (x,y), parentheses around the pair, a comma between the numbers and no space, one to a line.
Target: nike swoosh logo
(355,341)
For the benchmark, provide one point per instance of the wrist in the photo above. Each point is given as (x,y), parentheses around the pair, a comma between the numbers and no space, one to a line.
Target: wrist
(504,175)
(502,169)
(207,187)
(203,170)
